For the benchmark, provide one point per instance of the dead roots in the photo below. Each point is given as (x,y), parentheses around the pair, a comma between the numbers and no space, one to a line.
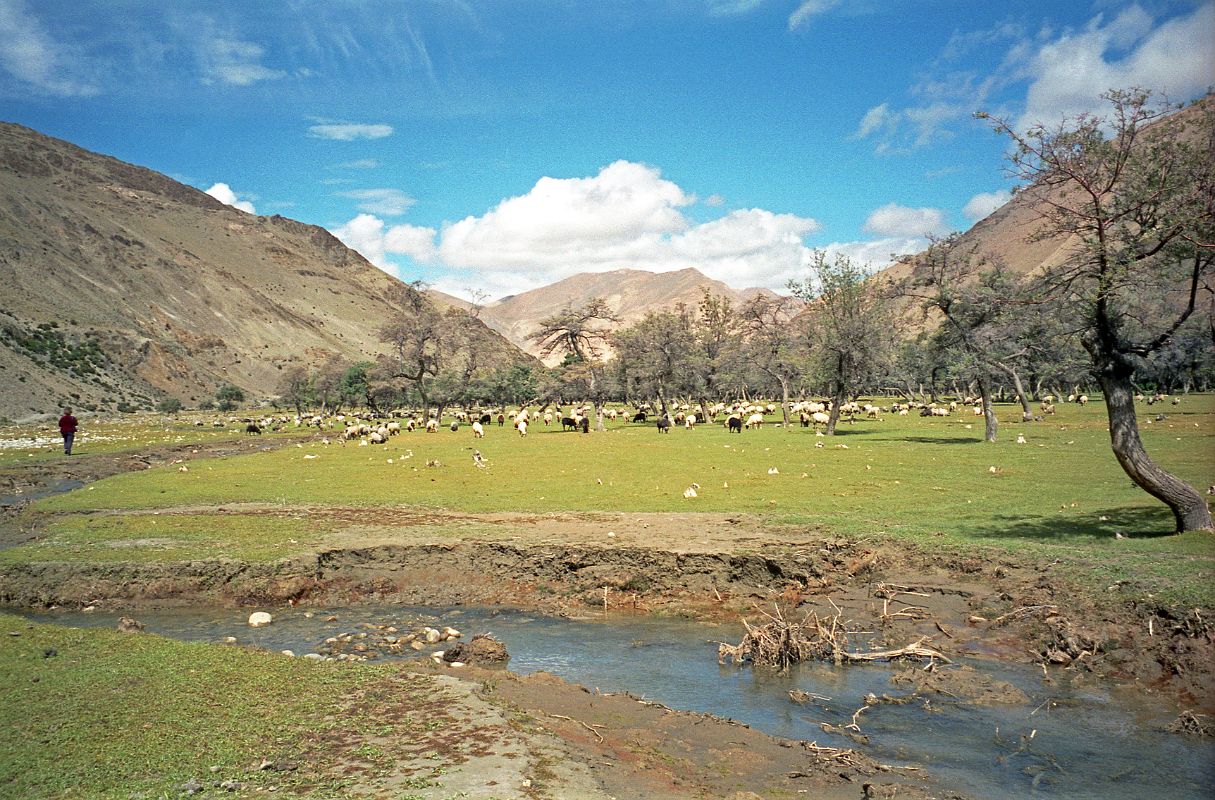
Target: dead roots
(780,643)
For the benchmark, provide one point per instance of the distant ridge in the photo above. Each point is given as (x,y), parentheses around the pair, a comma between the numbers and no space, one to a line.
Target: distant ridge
(631,293)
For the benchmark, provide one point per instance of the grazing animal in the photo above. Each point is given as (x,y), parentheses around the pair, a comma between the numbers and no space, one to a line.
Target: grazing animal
(501,419)
(253,428)
(584,424)
(485,418)
(639,416)
(664,425)
(569,424)
(478,430)
(522,426)
(734,424)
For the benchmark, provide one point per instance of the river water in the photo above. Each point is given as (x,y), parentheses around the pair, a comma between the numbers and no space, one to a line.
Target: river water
(1068,741)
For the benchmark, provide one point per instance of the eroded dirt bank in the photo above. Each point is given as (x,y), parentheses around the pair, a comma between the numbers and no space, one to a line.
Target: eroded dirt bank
(997,610)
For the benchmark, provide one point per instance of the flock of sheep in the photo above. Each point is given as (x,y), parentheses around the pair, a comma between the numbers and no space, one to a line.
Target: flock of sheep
(368,428)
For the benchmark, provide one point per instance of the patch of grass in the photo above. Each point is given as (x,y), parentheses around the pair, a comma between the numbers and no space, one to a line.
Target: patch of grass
(108,714)
(143,538)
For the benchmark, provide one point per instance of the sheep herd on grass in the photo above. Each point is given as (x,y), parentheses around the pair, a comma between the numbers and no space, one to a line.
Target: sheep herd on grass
(368,428)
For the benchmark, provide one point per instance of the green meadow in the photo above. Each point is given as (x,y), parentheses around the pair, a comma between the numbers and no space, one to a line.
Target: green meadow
(101,714)
(932,482)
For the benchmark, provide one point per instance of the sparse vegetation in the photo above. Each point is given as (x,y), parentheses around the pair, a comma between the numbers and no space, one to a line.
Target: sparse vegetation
(48,345)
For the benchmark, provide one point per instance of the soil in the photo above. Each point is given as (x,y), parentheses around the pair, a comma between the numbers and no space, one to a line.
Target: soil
(702,565)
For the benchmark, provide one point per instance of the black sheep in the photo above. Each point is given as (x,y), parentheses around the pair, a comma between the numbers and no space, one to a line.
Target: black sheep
(664,425)
(252,428)
(639,416)
(734,424)
(569,424)
(584,424)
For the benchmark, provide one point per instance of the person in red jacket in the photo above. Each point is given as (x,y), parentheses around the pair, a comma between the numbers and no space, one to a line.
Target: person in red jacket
(67,427)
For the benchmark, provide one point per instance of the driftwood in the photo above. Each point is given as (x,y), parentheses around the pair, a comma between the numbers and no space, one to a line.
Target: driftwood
(781,643)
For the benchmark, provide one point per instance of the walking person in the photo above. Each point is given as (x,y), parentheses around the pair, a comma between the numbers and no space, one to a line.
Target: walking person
(67,427)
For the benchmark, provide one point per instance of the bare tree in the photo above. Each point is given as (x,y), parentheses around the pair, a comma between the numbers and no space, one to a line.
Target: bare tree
(582,334)
(848,323)
(771,345)
(1138,208)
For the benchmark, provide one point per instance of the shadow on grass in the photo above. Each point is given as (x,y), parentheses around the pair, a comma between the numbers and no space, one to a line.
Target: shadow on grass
(930,439)
(1133,523)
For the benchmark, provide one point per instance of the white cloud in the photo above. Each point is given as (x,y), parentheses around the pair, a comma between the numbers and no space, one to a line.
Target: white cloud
(808,10)
(224,194)
(1070,72)
(984,203)
(1063,72)
(33,57)
(878,253)
(358,163)
(726,8)
(715,201)
(368,235)
(626,217)
(348,131)
(615,216)
(389,202)
(235,62)
(894,220)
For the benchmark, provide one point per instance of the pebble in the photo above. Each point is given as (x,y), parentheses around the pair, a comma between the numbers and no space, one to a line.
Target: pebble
(259,619)
(289,653)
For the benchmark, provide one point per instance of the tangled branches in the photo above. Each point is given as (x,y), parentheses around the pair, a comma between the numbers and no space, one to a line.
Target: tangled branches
(780,643)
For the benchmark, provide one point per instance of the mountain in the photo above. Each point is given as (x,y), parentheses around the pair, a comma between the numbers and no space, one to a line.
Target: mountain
(1014,232)
(123,286)
(630,293)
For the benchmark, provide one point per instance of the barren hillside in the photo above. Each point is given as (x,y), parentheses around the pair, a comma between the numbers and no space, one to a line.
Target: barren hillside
(124,286)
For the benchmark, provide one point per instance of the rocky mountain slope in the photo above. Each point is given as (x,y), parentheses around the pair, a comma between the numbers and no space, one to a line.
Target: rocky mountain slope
(630,293)
(123,286)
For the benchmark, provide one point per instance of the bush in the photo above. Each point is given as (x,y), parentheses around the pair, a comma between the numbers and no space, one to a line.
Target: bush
(229,396)
(169,405)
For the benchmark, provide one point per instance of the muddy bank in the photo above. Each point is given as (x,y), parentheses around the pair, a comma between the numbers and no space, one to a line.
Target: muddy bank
(995,611)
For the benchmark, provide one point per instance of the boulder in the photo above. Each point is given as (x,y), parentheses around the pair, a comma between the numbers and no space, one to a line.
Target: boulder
(259,619)
(483,649)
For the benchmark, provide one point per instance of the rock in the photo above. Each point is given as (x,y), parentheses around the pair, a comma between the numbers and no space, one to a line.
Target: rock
(432,636)
(314,657)
(259,619)
(483,649)
(229,640)
(231,786)
(129,625)
(289,653)
(416,645)
(191,787)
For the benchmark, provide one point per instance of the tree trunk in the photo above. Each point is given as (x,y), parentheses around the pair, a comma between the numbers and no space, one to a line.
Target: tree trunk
(1027,413)
(784,401)
(836,402)
(991,425)
(1188,506)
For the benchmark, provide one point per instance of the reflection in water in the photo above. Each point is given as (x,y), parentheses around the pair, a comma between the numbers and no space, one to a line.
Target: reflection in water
(1066,742)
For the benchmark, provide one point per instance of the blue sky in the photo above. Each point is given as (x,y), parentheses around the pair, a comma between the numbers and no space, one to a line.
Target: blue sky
(498,146)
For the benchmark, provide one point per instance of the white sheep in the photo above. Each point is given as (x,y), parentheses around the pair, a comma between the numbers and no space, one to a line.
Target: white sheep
(756,420)
(522,426)
(478,430)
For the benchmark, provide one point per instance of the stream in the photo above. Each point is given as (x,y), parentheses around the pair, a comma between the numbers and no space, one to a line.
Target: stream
(1068,741)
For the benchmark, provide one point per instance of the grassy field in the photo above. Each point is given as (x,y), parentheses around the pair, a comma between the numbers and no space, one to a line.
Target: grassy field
(925,480)
(101,714)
